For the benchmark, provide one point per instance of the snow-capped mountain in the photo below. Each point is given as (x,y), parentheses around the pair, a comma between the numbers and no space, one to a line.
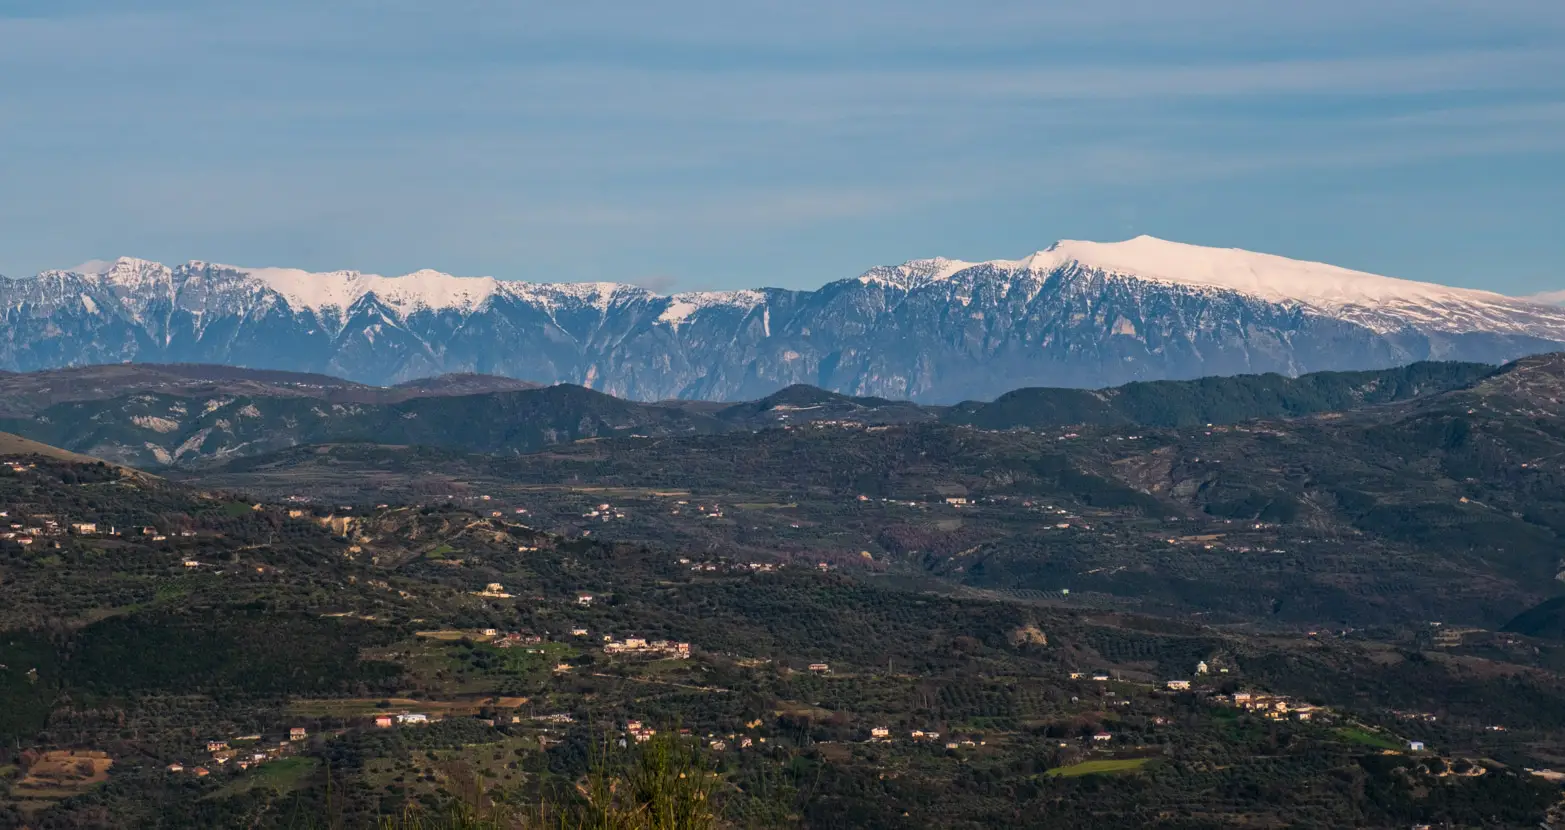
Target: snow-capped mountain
(940,330)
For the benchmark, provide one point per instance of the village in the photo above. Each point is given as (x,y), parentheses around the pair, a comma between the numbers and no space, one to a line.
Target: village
(535,654)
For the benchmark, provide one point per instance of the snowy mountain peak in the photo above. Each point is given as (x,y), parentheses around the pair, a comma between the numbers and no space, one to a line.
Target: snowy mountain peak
(128,272)
(1265,276)
(915,272)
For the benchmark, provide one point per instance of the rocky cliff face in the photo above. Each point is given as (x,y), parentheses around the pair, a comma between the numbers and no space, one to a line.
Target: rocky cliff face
(1077,314)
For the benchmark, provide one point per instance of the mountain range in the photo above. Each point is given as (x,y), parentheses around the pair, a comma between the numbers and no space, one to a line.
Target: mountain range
(1077,314)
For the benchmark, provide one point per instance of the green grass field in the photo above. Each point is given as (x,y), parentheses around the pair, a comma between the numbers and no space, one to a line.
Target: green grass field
(1358,735)
(283,775)
(1110,765)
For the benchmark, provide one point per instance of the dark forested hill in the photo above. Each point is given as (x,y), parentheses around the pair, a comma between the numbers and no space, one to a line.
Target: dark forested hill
(23,394)
(154,416)
(160,429)
(1216,400)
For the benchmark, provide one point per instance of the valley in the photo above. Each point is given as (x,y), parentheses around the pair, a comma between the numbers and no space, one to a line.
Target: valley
(846,606)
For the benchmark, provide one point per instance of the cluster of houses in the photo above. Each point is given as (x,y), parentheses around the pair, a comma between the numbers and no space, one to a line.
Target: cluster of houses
(639,732)
(246,751)
(741,567)
(45,527)
(882,734)
(1275,707)
(713,512)
(604,512)
(247,754)
(513,639)
(641,646)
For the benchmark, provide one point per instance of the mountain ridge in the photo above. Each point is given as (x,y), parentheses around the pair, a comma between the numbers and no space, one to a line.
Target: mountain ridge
(1079,314)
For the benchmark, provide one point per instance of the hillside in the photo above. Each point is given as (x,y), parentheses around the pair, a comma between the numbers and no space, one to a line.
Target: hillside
(154,417)
(1224,400)
(22,394)
(17,446)
(187,646)
(159,429)
(1389,513)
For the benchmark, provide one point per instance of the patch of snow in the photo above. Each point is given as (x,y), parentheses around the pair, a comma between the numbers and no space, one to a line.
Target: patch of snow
(87,303)
(677,312)
(552,296)
(132,273)
(916,272)
(1548,298)
(406,294)
(681,306)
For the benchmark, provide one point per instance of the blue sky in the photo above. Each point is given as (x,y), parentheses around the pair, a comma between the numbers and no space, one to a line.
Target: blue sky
(706,144)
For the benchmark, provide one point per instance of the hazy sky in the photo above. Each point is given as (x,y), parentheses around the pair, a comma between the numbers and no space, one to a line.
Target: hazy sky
(696,144)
